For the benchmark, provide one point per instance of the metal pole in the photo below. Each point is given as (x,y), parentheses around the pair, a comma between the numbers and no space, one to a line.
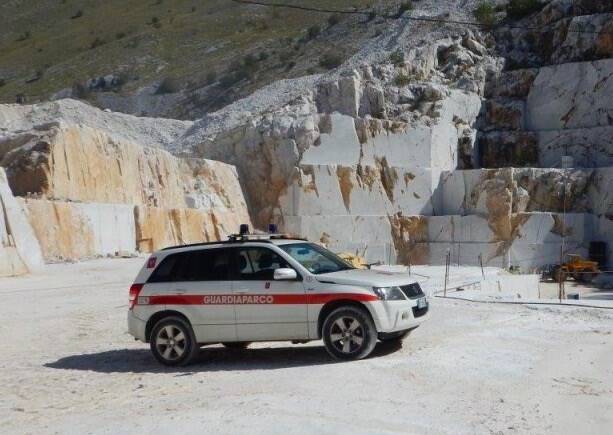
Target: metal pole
(563,246)
(447,261)
(459,249)
(560,280)
(409,258)
(481,264)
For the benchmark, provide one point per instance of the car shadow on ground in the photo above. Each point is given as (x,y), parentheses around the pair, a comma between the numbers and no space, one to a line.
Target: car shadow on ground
(210,359)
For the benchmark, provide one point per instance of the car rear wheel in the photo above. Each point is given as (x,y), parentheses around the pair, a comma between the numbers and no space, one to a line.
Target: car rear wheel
(349,333)
(237,345)
(173,342)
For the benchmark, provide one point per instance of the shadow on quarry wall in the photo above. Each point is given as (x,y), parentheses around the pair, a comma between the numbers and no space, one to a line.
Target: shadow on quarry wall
(209,360)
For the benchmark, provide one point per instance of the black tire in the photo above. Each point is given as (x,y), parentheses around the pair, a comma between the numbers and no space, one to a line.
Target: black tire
(396,337)
(353,341)
(237,345)
(173,342)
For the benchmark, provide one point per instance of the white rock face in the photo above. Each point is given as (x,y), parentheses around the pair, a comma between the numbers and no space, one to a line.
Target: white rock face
(19,247)
(85,179)
(589,147)
(572,95)
(154,132)
(380,158)
(74,231)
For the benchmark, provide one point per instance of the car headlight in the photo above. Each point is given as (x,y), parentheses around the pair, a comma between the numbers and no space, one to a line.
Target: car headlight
(389,293)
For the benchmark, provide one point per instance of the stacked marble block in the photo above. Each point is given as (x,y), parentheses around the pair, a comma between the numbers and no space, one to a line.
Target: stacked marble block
(397,197)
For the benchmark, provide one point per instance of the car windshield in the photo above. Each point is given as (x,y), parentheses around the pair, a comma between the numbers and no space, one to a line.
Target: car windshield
(315,258)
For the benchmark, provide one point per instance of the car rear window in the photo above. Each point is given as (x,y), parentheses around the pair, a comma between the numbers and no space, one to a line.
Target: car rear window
(164,271)
(203,265)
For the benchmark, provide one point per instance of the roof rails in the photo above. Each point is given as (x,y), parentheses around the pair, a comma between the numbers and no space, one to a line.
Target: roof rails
(260,237)
(244,236)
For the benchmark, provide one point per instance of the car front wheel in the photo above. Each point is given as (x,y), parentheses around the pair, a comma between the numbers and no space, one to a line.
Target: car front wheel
(173,342)
(349,333)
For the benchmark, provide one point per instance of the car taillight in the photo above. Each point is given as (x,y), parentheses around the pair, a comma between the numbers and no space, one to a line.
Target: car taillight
(134,291)
(151,262)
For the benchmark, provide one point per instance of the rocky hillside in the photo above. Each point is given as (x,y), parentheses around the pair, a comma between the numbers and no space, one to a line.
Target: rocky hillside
(493,145)
(172,58)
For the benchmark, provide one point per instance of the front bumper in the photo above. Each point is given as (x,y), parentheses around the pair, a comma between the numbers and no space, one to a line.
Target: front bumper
(394,316)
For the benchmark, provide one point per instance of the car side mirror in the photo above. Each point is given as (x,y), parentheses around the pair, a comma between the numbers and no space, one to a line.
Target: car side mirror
(285,274)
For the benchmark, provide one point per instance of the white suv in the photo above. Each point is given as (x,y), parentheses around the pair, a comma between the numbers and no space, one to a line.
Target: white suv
(267,289)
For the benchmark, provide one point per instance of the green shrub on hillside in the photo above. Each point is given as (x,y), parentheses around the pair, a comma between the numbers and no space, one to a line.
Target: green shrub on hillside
(80,91)
(485,13)
(404,6)
(96,43)
(168,86)
(24,36)
(313,32)
(238,75)
(250,61)
(334,19)
(211,76)
(520,8)
(402,80)
(397,58)
(331,60)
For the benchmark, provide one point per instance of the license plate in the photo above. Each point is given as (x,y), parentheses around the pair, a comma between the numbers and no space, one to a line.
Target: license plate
(422,303)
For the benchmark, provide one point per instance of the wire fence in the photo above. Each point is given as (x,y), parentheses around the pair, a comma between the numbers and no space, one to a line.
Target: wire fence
(371,13)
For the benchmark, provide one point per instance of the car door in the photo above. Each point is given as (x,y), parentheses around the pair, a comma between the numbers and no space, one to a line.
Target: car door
(203,291)
(267,309)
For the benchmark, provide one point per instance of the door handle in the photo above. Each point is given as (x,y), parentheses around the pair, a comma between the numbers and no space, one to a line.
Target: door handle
(180,291)
(241,291)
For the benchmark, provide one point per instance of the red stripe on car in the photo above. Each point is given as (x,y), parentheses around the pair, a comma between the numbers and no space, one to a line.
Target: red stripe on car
(258,299)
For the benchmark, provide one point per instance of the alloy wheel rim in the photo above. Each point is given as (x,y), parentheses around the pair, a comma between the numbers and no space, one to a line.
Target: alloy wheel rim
(347,334)
(170,342)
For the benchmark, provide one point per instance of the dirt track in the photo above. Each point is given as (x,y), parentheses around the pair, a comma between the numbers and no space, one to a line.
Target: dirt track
(68,366)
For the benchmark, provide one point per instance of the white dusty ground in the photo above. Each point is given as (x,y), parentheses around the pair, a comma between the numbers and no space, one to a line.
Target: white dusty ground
(68,366)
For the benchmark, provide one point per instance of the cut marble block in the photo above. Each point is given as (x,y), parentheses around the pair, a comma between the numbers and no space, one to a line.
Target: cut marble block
(571,95)
(16,234)
(74,231)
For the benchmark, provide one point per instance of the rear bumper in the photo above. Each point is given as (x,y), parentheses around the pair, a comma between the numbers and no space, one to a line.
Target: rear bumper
(395,316)
(136,326)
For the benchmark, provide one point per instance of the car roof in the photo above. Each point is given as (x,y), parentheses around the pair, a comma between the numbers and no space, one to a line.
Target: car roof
(231,243)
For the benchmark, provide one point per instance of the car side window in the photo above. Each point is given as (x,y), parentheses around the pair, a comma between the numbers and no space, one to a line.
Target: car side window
(259,264)
(207,265)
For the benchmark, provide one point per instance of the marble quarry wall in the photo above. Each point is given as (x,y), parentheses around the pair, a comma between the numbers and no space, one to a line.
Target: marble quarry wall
(465,157)
(85,192)
(77,230)
(491,147)
(20,251)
